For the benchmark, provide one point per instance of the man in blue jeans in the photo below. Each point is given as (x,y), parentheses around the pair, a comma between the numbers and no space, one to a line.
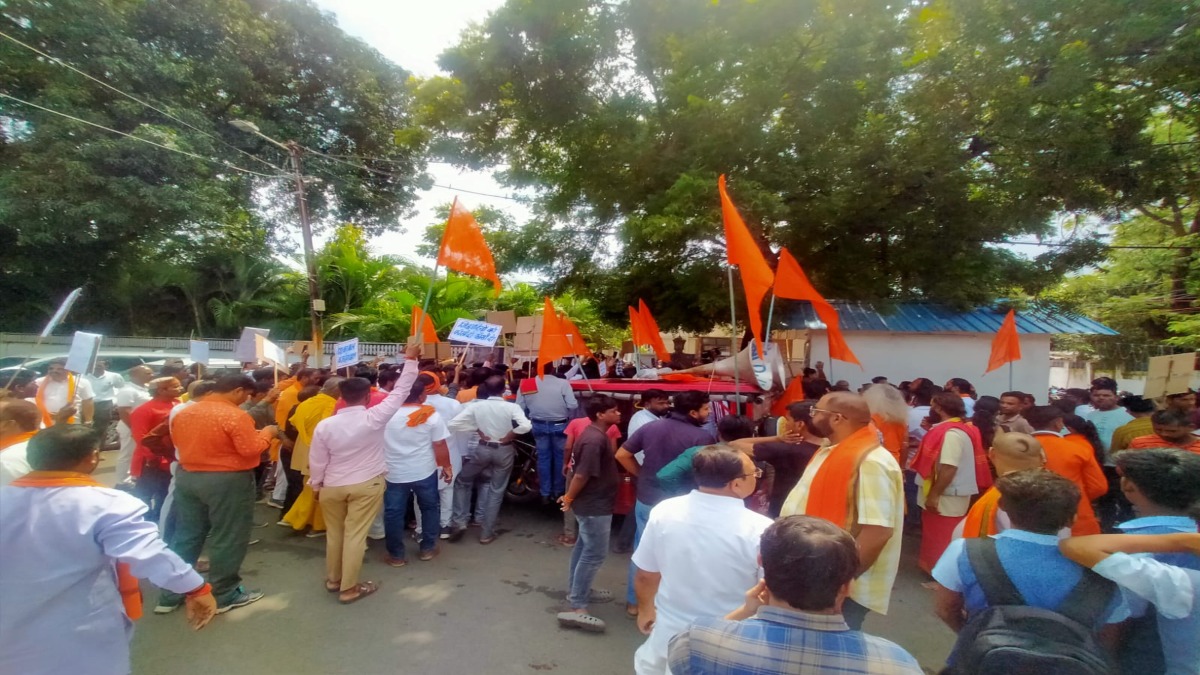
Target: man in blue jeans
(414,447)
(591,495)
(661,442)
(549,407)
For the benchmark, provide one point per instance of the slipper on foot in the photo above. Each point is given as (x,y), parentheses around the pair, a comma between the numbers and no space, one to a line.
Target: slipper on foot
(364,589)
(585,622)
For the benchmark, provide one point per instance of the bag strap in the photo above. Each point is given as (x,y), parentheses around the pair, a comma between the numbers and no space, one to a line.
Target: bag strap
(1088,599)
(998,588)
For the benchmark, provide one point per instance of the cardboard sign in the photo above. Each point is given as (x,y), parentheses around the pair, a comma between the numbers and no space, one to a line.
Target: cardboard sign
(265,350)
(247,350)
(506,319)
(198,352)
(475,332)
(82,357)
(529,324)
(62,312)
(1169,375)
(525,342)
(345,354)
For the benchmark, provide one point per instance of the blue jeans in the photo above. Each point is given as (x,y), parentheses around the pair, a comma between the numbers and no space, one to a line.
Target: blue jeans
(551,441)
(641,514)
(586,558)
(395,507)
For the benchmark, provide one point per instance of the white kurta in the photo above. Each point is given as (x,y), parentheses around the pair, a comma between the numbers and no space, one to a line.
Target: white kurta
(60,610)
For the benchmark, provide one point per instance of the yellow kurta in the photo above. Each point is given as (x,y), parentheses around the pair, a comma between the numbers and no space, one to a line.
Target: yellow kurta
(307,511)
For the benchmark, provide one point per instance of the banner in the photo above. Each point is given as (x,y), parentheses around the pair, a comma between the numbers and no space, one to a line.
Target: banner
(82,357)
(246,350)
(62,312)
(198,352)
(265,350)
(345,354)
(475,332)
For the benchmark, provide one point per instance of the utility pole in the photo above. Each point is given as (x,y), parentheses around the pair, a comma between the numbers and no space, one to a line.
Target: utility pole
(316,304)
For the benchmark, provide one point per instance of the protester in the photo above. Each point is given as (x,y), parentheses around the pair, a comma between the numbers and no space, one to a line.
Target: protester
(218,449)
(348,472)
(132,394)
(285,404)
(965,391)
(656,403)
(105,385)
(922,397)
(661,442)
(591,494)
(1009,453)
(58,389)
(458,443)
(1163,485)
(1012,403)
(814,382)
(791,621)
(150,469)
(1072,461)
(199,390)
(788,455)
(698,552)
(498,422)
(984,419)
(889,413)
(69,583)
(1141,409)
(574,428)
(855,464)
(1106,414)
(1183,403)
(951,469)
(1172,429)
(416,453)
(549,407)
(677,478)
(305,512)
(293,480)
(19,421)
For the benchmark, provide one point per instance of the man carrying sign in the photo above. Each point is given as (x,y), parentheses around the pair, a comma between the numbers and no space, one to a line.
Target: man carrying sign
(58,389)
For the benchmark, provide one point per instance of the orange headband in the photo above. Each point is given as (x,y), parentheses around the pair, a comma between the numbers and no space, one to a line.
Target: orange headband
(434,386)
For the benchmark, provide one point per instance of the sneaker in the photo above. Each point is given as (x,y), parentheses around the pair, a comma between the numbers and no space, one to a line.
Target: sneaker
(284,523)
(445,533)
(315,535)
(240,599)
(164,608)
(275,504)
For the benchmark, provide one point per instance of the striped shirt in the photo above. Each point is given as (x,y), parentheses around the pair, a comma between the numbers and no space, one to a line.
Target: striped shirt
(778,640)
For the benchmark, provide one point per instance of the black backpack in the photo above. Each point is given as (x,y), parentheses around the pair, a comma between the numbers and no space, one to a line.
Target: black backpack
(1011,638)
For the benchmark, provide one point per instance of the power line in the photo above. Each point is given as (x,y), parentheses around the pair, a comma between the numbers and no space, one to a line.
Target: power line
(224,163)
(132,97)
(1130,247)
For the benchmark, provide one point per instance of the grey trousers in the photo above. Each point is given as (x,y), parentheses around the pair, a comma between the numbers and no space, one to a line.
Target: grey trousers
(500,462)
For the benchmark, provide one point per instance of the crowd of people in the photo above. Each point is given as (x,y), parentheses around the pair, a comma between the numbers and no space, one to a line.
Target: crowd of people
(758,546)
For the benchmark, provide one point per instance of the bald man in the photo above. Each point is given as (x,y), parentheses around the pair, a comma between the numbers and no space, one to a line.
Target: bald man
(132,395)
(19,421)
(855,463)
(1009,453)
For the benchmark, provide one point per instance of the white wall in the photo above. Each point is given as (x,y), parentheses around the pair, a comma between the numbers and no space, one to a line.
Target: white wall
(939,357)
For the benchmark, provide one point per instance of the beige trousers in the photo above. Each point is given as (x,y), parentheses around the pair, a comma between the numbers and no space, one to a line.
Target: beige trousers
(349,511)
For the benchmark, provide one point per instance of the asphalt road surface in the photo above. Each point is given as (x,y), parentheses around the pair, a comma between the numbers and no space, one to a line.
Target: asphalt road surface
(486,610)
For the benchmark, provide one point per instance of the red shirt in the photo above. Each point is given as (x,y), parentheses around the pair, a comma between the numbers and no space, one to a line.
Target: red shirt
(377,396)
(142,421)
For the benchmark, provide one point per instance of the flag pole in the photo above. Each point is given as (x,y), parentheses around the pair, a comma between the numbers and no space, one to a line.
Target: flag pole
(770,315)
(733,345)
(438,262)
(1010,376)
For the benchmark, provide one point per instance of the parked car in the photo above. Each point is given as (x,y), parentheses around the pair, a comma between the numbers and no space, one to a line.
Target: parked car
(118,361)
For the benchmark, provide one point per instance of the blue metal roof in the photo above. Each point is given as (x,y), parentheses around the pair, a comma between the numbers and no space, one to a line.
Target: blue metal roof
(928,317)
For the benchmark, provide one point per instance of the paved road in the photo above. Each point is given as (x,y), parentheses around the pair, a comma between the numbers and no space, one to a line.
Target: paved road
(484,610)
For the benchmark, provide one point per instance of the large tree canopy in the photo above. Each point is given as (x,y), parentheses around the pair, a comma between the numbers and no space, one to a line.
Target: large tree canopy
(84,206)
(885,145)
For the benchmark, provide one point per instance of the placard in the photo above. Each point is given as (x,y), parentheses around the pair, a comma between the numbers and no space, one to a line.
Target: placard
(198,352)
(246,350)
(82,357)
(529,324)
(1168,375)
(475,332)
(265,350)
(62,312)
(345,354)
(507,320)
(524,342)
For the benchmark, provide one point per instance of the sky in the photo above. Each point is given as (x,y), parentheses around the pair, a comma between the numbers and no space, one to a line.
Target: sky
(412,33)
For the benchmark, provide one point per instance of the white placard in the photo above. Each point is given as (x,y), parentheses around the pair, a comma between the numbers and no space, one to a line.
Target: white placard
(246,350)
(62,312)
(265,350)
(198,352)
(345,354)
(475,332)
(82,357)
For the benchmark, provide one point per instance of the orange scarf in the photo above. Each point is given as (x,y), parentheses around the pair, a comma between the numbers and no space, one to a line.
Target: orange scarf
(127,584)
(19,438)
(421,415)
(981,519)
(834,492)
(895,435)
(40,399)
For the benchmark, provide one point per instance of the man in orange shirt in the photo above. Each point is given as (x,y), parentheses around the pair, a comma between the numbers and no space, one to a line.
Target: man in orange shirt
(1071,461)
(218,449)
(1172,429)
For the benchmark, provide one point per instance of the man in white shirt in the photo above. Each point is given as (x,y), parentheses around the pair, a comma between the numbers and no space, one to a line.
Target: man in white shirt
(655,404)
(127,399)
(58,389)
(105,385)
(19,421)
(698,554)
(498,422)
(448,409)
(414,448)
(945,493)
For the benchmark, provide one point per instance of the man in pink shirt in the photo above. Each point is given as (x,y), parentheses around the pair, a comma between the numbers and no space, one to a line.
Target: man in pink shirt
(347,468)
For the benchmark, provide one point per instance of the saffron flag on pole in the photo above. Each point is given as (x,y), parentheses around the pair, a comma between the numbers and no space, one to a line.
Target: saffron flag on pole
(635,328)
(555,344)
(743,251)
(575,337)
(464,249)
(791,282)
(1006,346)
(651,334)
(421,321)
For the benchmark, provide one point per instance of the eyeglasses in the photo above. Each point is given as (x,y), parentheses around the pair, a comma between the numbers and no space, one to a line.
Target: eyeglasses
(815,409)
(757,474)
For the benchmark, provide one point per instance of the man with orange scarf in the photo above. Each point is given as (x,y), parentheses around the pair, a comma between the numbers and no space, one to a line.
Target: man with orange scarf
(856,484)
(60,389)
(1009,453)
(951,468)
(73,553)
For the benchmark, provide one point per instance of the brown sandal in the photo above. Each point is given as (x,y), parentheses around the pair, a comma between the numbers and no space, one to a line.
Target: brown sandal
(364,589)
(333,586)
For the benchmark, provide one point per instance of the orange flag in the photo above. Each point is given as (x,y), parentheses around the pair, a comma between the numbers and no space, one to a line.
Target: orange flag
(464,248)
(1006,346)
(554,343)
(428,332)
(791,282)
(793,393)
(744,252)
(575,337)
(651,334)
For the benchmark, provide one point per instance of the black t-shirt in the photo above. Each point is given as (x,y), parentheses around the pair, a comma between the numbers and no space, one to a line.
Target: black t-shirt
(592,456)
(789,461)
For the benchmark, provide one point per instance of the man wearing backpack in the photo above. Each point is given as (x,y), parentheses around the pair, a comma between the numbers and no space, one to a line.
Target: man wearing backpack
(1017,603)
